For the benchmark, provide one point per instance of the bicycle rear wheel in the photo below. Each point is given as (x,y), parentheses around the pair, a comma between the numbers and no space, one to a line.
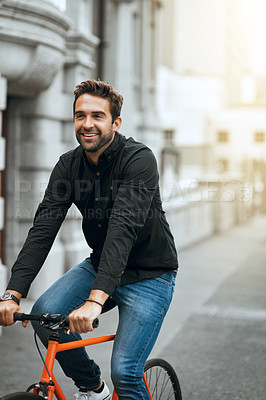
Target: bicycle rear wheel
(162,380)
(22,396)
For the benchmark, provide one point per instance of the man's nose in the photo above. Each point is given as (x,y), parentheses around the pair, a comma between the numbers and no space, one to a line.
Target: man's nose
(88,122)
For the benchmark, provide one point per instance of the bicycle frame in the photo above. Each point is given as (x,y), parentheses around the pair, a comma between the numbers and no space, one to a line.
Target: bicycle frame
(55,347)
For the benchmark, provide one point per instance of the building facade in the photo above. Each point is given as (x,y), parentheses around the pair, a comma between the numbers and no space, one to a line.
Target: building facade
(213,87)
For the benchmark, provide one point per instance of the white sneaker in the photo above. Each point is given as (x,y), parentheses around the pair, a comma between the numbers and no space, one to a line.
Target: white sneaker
(91,395)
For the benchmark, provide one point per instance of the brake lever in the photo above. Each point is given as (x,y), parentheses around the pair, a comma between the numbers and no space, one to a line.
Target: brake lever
(59,323)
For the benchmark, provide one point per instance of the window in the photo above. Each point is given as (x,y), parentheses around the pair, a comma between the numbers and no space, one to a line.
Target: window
(169,136)
(223,166)
(223,136)
(259,137)
(258,165)
(170,154)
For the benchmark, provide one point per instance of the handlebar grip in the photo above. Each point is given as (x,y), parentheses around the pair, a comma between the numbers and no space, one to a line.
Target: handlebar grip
(18,316)
(96,323)
(23,317)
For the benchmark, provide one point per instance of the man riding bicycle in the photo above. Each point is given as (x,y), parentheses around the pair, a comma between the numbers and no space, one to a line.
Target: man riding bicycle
(114,182)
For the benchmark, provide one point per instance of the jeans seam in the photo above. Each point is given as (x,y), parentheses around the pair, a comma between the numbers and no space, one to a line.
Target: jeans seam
(144,348)
(166,281)
(159,279)
(147,343)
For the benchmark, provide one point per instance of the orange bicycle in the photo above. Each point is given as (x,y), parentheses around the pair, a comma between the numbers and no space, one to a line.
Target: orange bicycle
(160,378)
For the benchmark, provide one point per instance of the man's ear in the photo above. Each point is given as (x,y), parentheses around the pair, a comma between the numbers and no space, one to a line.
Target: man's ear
(117,123)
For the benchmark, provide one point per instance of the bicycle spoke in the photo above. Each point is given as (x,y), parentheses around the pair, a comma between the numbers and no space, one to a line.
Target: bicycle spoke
(164,386)
(162,381)
(166,379)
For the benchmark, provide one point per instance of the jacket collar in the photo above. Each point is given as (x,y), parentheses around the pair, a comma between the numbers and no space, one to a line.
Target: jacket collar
(114,147)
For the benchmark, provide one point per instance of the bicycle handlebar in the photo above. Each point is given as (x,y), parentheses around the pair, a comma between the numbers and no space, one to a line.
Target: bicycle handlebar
(55,321)
(25,317)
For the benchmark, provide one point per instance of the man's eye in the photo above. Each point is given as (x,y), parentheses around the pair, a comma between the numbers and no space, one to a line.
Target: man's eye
(98,116)
(79,116)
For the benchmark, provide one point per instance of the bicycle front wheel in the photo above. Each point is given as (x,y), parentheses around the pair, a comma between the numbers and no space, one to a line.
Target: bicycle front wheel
(162,380)
(22,396)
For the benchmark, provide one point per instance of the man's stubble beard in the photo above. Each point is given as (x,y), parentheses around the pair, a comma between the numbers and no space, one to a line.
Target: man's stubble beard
(102,141)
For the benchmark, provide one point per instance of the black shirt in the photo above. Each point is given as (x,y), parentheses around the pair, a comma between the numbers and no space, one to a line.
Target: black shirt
(123,220)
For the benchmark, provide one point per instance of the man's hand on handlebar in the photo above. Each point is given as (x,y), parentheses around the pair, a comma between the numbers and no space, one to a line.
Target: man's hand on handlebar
(81,320)
(7,310)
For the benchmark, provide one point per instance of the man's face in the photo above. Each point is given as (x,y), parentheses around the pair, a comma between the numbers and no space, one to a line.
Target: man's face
(93,124)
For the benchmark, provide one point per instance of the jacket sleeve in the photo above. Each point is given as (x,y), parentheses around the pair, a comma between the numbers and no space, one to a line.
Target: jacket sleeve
(49,216)
(129,213)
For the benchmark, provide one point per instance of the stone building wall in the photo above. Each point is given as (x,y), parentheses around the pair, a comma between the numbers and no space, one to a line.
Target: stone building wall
(3,270)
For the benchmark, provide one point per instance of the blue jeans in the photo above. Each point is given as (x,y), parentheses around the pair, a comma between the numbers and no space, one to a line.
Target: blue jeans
(142,307)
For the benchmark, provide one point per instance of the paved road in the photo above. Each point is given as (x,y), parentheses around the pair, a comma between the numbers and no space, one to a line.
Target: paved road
(214,334)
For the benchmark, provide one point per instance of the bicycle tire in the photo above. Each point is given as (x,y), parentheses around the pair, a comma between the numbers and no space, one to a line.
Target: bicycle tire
(22,396)
(162,380)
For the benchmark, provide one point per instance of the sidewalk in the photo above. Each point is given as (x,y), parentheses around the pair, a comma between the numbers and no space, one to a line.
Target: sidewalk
(211,285)
(205,266)
(216,328)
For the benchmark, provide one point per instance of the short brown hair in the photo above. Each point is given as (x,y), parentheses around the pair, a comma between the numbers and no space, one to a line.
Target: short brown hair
(101,89)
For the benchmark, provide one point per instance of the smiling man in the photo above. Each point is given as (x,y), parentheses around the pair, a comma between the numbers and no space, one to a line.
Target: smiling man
(94,125)
(113,181)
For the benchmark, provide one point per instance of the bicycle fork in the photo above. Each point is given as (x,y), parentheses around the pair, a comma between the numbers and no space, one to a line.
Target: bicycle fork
(48,384)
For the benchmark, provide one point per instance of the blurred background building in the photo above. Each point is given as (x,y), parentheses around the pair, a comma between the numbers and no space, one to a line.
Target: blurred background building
(193,77)
(211,86)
